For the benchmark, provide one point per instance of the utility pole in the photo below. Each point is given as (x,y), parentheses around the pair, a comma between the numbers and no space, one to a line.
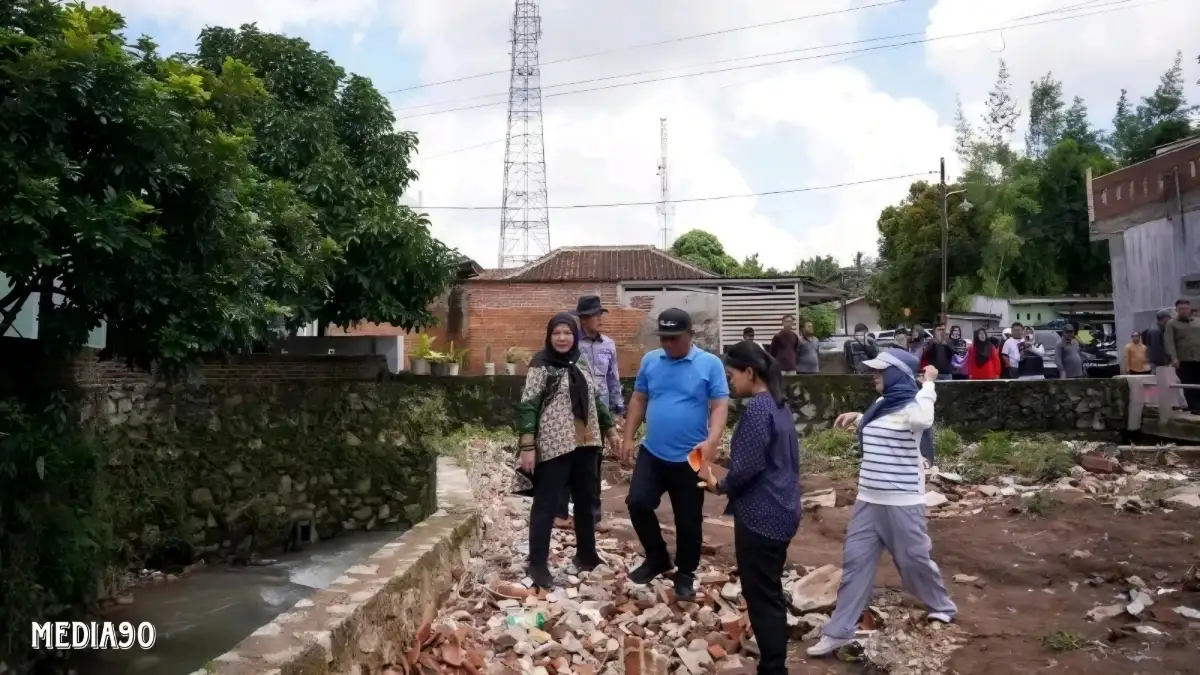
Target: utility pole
(965,206)
(525,216)
(665,209)
(945,237)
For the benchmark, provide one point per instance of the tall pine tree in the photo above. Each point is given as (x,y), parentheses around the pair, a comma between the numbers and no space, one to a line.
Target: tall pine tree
(1000,119)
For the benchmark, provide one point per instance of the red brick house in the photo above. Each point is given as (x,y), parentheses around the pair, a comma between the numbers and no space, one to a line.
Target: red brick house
(504,308)
(509,307)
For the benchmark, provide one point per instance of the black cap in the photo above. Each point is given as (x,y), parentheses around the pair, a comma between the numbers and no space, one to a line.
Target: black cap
(672,322)
(589,305)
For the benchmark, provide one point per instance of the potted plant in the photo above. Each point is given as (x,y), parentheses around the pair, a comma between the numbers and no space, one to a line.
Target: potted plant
(489,366)
(439,363)
(514,356)
(458,360)
(420,356)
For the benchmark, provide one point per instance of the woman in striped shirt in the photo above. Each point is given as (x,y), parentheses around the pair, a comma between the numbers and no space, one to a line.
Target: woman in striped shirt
(896,441)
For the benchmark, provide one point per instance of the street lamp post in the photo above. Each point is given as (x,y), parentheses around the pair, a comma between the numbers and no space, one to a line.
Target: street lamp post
(946,235)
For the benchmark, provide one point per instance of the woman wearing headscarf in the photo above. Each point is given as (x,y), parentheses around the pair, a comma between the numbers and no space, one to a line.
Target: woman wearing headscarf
(896,441)
(983,358)
(560,421)
(959,361)
(763,486)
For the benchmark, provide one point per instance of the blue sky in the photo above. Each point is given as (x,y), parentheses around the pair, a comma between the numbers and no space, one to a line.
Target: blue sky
(811,123)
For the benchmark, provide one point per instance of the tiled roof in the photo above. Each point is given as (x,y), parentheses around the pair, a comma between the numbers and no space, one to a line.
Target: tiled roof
(601,263)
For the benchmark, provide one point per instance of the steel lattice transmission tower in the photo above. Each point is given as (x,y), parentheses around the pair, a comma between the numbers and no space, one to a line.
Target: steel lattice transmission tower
(525,218)
(666,210)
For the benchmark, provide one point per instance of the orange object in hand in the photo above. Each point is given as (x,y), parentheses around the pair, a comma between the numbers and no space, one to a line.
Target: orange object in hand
(696,460)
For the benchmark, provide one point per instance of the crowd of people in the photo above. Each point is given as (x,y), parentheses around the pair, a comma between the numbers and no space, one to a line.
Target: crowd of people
(572,407)
(570,410)
(1014,354)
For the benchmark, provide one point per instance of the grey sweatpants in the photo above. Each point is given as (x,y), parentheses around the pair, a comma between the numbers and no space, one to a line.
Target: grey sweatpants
(901,531)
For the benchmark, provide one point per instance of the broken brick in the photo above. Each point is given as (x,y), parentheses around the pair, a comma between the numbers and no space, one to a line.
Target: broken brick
(1098,463)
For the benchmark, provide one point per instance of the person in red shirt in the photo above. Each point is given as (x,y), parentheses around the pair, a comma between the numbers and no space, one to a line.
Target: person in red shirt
(983,359)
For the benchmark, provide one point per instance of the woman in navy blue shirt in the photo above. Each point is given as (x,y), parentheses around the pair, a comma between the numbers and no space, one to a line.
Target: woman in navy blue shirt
(763,486)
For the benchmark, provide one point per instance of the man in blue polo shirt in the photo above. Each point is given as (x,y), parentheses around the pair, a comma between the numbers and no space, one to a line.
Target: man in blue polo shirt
(682,394)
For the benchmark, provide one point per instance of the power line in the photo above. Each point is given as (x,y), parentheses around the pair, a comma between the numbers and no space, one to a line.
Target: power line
(783,61)
(684,38)
(768,193)
(469,147)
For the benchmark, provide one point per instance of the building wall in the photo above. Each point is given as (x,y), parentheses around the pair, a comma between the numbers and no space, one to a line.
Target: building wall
(856,313)
(704,308)
(451,313)
(1035,314)
(1147,263)
(513,314)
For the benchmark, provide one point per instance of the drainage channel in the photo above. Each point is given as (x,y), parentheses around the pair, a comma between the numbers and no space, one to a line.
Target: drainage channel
(205,614)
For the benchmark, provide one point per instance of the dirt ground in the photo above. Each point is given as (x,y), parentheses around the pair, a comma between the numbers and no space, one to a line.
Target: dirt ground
(1037,578)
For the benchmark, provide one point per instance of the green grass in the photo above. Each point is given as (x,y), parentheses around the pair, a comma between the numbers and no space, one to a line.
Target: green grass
(833,452)
(1065,641)
(947,444)
(999,453)
(1041,504)
(456,443)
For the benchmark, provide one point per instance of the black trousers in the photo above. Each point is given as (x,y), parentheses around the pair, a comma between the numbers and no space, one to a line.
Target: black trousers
(1189,373)
(760,563)
(574,474)
(564,501)
(651,478)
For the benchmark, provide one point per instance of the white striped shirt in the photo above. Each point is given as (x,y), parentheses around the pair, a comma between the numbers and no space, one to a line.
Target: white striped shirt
(892,471)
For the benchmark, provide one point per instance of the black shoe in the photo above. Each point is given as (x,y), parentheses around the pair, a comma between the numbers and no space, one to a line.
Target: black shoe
(585,564)
(647,571)
(542,578)
(685,588)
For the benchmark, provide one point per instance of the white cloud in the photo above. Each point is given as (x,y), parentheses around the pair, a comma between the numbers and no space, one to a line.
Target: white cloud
(603,146)
(805,124)
(270,15)
(1094,56)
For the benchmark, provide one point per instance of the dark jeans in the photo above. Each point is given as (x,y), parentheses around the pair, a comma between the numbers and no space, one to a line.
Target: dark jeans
(564,501)
(573,473)
(651,478)
(760,563)
(1189,373)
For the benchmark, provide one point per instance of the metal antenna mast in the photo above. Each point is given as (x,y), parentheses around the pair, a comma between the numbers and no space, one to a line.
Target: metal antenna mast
(665,209)
(524,218)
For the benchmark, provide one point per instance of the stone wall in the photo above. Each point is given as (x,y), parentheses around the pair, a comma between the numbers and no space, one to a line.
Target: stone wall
(1060,406)
(236,469)
(970,407)
(230,469)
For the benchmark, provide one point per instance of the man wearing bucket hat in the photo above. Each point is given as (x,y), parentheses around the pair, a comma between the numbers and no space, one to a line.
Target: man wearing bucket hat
(601,354)
(896,442)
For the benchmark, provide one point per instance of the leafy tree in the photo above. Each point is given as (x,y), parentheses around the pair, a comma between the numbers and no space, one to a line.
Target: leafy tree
(821,269)
(908,273)
(750,267)
(1126,137)
(332,137)
(1077,127)
(128,194)
(1046,115)
(1161,118)
(823,318)
(704,250)
(964,134)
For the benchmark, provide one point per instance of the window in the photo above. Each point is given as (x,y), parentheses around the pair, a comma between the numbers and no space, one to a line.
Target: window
(1039,316)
